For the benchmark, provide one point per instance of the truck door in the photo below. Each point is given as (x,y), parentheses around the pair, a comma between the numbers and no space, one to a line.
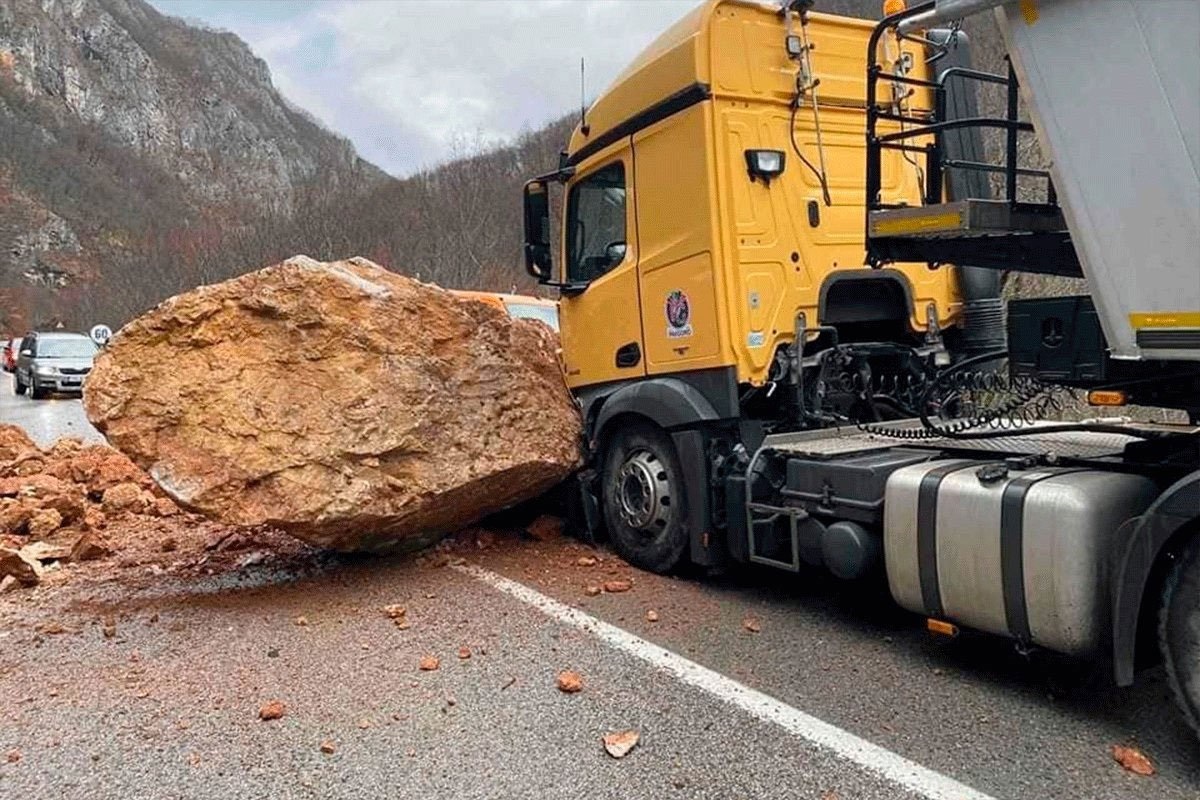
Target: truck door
(601,320)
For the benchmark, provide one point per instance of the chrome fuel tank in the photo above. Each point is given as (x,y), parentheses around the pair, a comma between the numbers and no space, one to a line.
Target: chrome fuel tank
(1022,553)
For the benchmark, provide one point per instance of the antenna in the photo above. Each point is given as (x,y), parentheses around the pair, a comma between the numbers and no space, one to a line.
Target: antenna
(584,128)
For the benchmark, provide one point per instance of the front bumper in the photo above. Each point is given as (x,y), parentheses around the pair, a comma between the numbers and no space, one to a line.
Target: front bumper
(61,383)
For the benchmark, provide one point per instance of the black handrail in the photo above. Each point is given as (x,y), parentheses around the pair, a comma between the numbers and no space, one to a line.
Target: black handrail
(934,124)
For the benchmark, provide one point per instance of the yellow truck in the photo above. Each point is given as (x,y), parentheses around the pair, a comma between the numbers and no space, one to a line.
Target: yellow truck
(782,357)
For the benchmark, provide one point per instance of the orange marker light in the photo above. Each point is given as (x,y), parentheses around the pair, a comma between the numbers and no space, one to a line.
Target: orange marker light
(1107,397)
(941,628)
(893,7)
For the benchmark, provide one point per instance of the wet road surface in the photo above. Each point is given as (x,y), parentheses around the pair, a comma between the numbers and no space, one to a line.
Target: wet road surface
(48,419)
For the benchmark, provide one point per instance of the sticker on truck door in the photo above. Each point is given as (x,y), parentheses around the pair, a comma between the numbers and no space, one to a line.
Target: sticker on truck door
(679,315)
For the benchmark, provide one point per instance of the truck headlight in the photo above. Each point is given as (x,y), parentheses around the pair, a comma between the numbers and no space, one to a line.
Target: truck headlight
(46,371)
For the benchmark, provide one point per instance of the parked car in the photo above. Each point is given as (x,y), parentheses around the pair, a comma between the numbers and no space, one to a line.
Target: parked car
(519,306)
(8,358)
(52,362)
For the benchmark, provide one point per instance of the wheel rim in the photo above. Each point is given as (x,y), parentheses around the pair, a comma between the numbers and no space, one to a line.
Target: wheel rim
(643,492)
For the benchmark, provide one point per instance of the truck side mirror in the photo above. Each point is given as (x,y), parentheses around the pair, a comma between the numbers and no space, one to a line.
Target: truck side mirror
(538,259)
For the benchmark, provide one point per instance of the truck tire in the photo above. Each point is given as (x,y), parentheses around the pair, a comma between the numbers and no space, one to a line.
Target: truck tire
(1179,631)
(643,498)
(18,387)
(34,392)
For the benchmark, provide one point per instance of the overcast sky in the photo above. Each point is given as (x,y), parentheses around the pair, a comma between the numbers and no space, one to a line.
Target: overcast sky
(403,78)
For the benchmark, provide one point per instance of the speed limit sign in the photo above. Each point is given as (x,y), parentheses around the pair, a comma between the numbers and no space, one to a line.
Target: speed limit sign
(100,334)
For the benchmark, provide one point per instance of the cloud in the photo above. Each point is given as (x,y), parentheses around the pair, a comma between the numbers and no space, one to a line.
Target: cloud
(407,79)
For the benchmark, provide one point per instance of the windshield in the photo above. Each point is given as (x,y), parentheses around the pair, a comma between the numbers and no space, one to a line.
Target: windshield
(546,314)
(66,348)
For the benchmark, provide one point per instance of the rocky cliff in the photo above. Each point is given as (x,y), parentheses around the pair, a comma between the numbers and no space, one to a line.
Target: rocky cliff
(119,124)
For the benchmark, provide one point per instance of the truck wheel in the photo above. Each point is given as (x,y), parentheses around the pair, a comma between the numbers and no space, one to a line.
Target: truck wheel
(643,498)
(18,387)
(34,392)
(1179,631)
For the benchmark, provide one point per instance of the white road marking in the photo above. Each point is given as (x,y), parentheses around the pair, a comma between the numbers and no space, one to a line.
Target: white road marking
(871,757)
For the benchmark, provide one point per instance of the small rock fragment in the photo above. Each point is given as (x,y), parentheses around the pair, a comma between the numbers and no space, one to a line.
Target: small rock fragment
(652,616)
(395,611)
(591,590)
(123,497)
(429,663)
(569,681)
(363,724)
(620,743)
(7,582)
(44,522)
(88,548)
(13,756)
(618,586)
(464,652)
(272,709)
(545,528)
(328,747)
(1133,759)
(585,561)
(110,628)
(53,628)
(164,507)
(752,624)
(301,621)
(169,544)
(25,569)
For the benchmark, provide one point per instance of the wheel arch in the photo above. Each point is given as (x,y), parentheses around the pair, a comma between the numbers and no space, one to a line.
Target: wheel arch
(681,411)
(1171,521)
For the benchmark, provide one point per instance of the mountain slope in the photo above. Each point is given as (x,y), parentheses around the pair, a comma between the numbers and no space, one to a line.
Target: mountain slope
(119,124)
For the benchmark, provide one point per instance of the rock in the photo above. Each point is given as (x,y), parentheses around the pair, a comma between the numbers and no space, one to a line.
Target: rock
(44,522)
(7,582)
(301,621)
(545,528)
(169,544)
(124,497)
(652,616)
(569,682)
(464,652)
(752,624)
(89,547)
(429,663)
(94,518)
(464,409)
(618,586)
(272,709)
(328,747)
(1133,760)
(15,444)
(15,563)
(44,551)
(591,590)
(163,507)
(14,516)
(620,743)
(585,561)
(98,468)
(45,491)
(13,755)
(395,611)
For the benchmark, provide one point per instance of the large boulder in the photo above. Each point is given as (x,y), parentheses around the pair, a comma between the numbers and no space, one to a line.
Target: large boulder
(350,406)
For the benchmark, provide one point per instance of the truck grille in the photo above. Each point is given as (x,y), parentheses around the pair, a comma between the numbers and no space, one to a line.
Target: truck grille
(75,370)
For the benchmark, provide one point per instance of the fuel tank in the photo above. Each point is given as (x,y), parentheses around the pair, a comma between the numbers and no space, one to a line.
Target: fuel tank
(1022,553)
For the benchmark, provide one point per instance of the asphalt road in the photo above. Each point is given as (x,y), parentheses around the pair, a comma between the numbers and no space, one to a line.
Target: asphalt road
(835,695)
(48,419)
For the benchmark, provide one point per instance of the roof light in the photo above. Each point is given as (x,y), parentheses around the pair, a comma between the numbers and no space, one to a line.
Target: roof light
(893,7)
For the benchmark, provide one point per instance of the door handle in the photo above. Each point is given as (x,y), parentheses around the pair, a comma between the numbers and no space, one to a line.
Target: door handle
(628,355)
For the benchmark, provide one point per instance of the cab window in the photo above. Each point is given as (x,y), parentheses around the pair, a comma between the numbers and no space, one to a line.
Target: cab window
(596,224)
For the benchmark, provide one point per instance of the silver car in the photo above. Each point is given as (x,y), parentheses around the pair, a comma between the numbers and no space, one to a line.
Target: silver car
(53,362)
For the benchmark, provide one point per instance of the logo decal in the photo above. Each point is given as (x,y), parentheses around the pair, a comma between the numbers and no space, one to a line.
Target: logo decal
(679,315)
